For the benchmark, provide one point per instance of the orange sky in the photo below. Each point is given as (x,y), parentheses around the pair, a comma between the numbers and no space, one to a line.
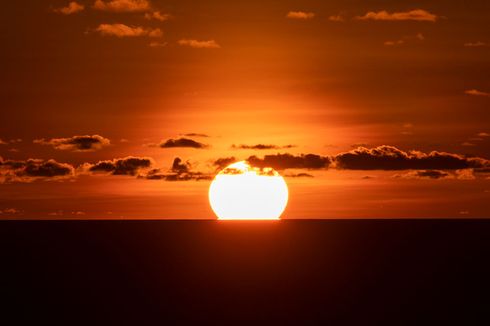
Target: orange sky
(305,77)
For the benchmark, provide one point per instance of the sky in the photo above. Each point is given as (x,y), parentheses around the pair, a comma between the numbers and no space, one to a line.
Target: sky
(128,108)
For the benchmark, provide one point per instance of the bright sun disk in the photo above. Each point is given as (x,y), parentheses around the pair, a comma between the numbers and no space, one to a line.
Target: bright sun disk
(242,192)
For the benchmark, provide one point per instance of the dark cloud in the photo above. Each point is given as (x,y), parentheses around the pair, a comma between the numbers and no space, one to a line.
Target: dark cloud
(182,142)
(180,171)
(299,175)
(391,158)
(180,167)
(196,135)
(223,162)
(425,174)
(261,146)
(289,161)
(121,166)
(85,143)
(34,169)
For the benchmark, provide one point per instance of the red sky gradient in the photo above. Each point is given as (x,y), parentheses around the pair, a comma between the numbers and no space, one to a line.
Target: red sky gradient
(368,108)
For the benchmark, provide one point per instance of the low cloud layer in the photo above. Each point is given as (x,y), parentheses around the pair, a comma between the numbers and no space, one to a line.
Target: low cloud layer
(122,30)
(182,142)
(34,169)
(391,158)
(362,158)
(210,44)
(122,5)
(416,15)
(85,143)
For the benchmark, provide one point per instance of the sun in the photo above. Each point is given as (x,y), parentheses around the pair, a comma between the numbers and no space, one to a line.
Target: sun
(243,192)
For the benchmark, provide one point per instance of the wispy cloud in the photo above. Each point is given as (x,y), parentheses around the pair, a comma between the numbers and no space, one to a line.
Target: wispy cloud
(155,44)
(416,14)
(121,30)
(336,18)
(157,15)
(393,43)
(406,39)
(300,15)
(476,92)
(210,44)
(10,211)
(72,8)
(475,44)
(122,5)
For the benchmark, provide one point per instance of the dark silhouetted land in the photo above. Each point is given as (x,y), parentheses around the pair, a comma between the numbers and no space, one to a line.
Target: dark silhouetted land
(359,272)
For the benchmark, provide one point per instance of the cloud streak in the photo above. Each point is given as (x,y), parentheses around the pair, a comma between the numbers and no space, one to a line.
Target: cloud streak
(301,15)
(477,44)
(476,92)
(260,146)
(210,44)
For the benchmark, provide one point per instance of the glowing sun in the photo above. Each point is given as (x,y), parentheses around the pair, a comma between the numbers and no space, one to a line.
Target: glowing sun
(242,192)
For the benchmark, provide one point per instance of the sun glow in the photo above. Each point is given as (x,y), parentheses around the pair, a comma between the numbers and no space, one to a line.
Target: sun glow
(242,192)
